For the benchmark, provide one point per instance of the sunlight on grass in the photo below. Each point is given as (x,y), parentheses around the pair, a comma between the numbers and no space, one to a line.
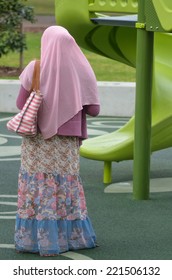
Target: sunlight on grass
(110,70)
(105,69)
(32,52)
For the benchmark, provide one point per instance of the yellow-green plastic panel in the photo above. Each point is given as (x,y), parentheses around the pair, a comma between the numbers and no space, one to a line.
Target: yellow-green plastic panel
(117,6)
(74,16)
(163,9)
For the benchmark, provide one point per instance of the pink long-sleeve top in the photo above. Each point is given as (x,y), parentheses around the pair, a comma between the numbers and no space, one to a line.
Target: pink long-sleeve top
(75,126)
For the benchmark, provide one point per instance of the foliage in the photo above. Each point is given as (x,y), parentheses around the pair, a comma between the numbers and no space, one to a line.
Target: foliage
(12,13)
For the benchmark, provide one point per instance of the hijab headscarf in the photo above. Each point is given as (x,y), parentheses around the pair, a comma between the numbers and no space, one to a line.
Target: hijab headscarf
(67,80)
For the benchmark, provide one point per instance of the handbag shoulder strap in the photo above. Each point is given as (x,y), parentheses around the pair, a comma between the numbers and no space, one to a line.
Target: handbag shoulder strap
(36,77)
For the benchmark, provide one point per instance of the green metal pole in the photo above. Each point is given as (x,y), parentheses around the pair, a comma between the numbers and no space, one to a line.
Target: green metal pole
(144,65)
(107,178)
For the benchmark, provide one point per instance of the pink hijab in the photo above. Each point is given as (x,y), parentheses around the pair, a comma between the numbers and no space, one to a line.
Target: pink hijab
(67,80)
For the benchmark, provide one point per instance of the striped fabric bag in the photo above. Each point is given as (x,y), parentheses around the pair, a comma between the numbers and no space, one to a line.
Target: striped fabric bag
(25,122)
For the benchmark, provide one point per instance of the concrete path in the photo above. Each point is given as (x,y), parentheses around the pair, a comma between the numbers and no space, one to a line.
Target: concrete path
(42,22)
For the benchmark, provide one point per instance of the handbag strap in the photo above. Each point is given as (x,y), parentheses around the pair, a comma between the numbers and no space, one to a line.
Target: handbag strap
(36,78)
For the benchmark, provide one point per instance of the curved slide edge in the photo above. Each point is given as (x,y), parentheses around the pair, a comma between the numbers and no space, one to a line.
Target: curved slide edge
(119,43)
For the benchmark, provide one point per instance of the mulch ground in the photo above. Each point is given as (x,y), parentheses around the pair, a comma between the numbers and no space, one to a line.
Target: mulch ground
(9,71)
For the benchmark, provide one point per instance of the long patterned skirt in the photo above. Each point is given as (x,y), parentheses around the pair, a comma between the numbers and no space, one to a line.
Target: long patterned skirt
(52,215)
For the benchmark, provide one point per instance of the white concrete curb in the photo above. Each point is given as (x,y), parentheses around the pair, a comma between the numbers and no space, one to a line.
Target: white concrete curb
(8,93)
(116,98)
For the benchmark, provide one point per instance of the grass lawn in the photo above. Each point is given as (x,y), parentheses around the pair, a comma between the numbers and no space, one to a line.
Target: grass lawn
(42,7)
(104,68)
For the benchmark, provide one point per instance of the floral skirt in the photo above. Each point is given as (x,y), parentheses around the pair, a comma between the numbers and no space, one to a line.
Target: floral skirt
(52,215)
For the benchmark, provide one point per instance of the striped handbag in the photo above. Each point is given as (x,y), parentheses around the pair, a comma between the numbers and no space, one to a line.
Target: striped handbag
(25,122)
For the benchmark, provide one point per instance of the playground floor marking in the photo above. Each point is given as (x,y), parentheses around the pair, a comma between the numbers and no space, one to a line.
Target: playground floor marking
(156,185)
(70,255)
(10,136)
(5,119)
(8,215)
(8,195)
(9,159)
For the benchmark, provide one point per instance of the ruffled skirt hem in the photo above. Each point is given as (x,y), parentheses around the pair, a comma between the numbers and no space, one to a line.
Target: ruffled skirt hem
(53,237)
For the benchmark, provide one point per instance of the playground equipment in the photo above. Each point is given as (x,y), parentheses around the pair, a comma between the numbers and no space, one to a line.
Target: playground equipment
(143,43)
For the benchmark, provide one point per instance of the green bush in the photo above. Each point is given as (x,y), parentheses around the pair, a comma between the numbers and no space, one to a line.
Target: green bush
(12,13)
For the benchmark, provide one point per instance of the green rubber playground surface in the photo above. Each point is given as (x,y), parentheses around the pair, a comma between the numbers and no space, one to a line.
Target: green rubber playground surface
(126,229)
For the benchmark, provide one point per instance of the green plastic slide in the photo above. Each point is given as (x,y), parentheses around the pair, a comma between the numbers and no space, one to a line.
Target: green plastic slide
(119,43)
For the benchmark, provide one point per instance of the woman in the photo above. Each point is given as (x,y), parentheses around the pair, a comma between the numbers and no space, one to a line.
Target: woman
(52,215)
